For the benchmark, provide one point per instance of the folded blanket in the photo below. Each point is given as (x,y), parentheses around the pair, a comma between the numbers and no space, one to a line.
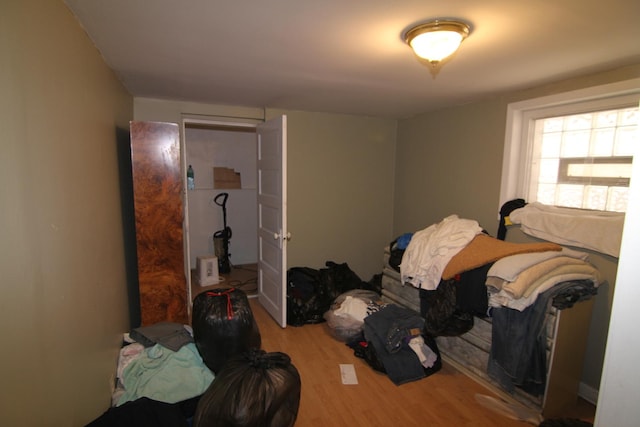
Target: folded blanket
(562,274)
(484,249)
(509,267)
(595,230)
(539,271)
(567,272)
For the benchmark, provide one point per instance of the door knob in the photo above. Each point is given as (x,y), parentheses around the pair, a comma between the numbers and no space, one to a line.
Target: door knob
(279,235)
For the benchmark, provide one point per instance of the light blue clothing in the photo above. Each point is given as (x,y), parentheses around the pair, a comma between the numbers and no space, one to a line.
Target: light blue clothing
(165,375)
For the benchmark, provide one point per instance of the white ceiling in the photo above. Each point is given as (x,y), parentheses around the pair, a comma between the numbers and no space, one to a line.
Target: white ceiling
(348,56)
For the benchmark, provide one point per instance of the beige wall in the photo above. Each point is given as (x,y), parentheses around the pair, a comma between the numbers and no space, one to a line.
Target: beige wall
(450,162)
(340,189)
(63,306)
(162,110)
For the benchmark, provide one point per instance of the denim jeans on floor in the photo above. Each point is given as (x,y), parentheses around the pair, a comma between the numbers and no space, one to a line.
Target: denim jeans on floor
(389,331)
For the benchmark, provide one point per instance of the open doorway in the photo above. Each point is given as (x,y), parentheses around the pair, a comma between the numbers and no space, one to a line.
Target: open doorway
(230,149)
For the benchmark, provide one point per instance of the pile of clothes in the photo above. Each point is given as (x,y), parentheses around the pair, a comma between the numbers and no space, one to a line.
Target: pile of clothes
(463,272)
(389,337)
(213,372)
(160,362)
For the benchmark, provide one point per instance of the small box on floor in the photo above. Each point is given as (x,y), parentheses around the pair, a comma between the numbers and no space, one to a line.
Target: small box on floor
(207,270)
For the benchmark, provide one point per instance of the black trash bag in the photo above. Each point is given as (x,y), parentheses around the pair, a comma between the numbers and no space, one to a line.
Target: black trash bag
(304,299)
(339,278)
(223,326)
(375,284)
(254,389)
(311,292)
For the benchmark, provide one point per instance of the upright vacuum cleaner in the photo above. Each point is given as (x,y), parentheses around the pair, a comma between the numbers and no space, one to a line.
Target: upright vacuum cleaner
(221,237)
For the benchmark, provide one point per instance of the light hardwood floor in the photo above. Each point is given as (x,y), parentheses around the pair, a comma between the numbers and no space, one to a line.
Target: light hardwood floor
(445,399)
(244,277)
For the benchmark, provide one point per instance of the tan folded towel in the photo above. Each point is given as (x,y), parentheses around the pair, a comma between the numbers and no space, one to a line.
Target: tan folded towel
(519,287)
(484,249)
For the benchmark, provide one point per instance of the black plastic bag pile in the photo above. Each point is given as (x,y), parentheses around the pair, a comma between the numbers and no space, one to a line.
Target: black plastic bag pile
(223,326)
(251,387)
(310,292)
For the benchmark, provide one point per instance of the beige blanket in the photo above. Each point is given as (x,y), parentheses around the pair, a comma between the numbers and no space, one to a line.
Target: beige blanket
(595,230)
(538,272)
(560,274)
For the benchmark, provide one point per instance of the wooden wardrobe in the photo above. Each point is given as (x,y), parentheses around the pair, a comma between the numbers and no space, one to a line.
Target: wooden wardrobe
(158,206)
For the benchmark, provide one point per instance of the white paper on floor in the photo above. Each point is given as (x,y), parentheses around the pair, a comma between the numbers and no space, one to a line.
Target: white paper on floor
(348,374)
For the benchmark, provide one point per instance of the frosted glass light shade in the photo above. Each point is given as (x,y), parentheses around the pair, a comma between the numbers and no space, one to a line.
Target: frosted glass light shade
(436,40)
(437,45)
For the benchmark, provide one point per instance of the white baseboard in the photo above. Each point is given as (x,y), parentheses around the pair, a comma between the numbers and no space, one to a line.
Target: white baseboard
(588,393)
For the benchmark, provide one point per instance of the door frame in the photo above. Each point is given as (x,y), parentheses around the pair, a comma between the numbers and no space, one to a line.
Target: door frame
(215,124)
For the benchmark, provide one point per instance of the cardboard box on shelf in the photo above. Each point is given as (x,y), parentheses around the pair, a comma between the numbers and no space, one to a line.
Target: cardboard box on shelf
(226,178)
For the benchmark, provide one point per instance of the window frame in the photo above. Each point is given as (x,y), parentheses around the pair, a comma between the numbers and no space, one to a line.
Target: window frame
(565,178)
(520,126)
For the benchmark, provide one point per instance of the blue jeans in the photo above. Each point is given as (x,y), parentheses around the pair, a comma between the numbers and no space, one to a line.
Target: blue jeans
(518,340)
(389,331)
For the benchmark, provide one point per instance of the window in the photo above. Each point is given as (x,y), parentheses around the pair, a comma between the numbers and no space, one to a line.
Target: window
(584,160)
(574,149)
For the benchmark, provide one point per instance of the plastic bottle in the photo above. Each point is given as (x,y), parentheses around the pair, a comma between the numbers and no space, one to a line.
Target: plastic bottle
(191,183)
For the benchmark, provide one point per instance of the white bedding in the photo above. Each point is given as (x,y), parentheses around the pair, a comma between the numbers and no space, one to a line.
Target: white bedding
(596,230)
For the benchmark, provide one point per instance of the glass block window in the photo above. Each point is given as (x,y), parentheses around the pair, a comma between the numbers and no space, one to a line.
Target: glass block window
(573,149)
(584,160)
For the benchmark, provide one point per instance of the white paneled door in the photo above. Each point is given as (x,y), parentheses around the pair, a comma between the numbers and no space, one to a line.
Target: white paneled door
(272,217)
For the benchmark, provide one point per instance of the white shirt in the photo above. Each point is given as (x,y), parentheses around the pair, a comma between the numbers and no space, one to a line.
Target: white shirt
(431,249)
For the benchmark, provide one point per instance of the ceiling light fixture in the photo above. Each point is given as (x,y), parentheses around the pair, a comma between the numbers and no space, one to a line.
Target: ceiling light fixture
(436,40)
